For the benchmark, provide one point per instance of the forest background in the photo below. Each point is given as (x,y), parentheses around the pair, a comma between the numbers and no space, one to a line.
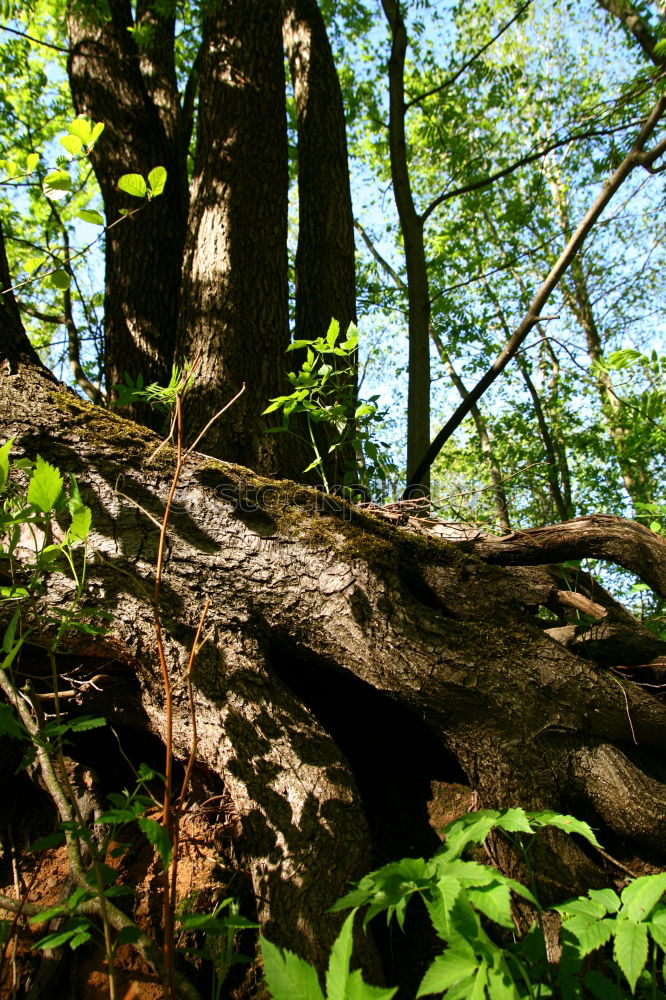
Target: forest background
(504,155)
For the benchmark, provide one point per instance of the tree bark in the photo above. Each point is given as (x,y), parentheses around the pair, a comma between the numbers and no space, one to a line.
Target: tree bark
(325,266)
(135,95)
(234,315)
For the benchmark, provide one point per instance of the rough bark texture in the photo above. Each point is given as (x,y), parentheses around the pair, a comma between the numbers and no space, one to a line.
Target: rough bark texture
(307,593)
(136,96)
(234,313)
(325,268)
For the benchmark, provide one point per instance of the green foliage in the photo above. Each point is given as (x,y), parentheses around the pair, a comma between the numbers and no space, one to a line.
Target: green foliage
(324,391)
(291,978)
(163,397)
(471,909)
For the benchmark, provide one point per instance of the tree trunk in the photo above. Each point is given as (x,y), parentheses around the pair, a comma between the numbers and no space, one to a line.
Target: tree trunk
(325,267)
(136,96)
(317,609)
(418,294)
(234,314)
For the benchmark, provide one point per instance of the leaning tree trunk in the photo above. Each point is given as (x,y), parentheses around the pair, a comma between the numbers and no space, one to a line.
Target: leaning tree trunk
(303,589)
(135,95)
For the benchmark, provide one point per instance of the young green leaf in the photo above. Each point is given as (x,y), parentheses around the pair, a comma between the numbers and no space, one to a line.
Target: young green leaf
(80,526)
(337,974)
(60,279)
(630,949)
(4,462)
(31,161)
(446,970)
(91,216)
(158,837)
(333,332)
(641,896)
(45,487)
(133,184)
(72,144)
(288,976)
(30,264)
(57,184)
(157,178)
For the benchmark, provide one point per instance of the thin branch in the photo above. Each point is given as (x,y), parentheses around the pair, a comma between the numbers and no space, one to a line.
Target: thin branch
(378,257)
(472,59)
(484,182)
(22,34)
(56,319)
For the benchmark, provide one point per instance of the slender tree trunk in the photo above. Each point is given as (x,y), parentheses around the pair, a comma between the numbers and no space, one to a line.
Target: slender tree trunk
(325,276)
(234,311)
(136,97)
(325,267)
(411,223)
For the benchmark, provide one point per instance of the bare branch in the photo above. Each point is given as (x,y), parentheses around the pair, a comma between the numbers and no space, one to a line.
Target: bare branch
(472,59)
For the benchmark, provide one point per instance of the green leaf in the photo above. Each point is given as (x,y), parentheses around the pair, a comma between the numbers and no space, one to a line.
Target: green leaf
(641,896)
(563,822)
(128,935)
(494,901)
(60,279)
(500,985)
(338,963)
(89,215)
(657,927)
(630,949)
(588,934)
(31,161)
(50,840)
(86,722)
(98,128)
(4,462)
(607,898)
(333,332)
(10,632)
(72,144)
(446,970)
(158,837)
(583,906)
(57,184)
(288,976)
(10,724)
(45,487)
(603,988)
(358,990)
(157,178)
(80,127)
(30,264)
(133,184)
(77,931)
(80,526)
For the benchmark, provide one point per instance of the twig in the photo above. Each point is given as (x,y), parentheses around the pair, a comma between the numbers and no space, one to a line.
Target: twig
(626,701)
(213,419)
